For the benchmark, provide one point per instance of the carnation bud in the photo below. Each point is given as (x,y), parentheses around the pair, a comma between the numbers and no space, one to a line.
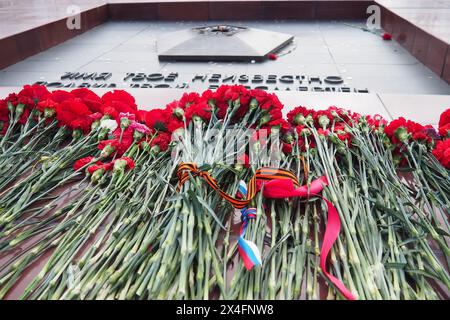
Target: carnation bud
(324,121)
(19,110)
(253,104)
(306,132)
(299,119)
(196,118)
(179,113)
(137,135)
(119,166)
(334,139)
(95,125)
(49,113)
(107,151)
(77,134)
(10,106)
(402,134)
(35,113)
(264,119)
(103,133)
(309,119)
(155,150)
(97,175)
(288,137)
(124,123)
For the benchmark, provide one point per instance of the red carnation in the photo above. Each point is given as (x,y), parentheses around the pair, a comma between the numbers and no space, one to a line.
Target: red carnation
(386,36)
(119,96)
(444,131)
(80,163)
(34,93)
(61,95)
(157,119)
(89,98)
(46,104)
(162,140)
(75,115)
(272,56)
(187,99)
(100,165)
(442,153)
(108,147)
(286,148)
(201,110)
(298,115)
(444,123)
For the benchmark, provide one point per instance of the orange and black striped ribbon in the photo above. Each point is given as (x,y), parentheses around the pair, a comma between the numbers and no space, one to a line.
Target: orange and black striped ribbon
(263,174)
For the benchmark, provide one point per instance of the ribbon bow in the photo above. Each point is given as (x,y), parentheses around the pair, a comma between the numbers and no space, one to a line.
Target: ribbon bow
(248,250)
(278,184)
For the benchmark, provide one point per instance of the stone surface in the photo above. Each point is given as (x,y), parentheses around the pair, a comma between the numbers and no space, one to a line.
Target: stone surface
(221,42)
(319,49)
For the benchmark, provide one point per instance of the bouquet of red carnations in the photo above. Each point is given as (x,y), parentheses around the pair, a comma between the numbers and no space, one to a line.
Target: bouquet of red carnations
(218,196)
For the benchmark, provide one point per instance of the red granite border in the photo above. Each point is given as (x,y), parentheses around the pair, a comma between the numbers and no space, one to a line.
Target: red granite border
(25,44)
(431,51)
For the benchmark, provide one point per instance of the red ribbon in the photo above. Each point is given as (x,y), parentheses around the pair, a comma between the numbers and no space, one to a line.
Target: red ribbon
(284,188)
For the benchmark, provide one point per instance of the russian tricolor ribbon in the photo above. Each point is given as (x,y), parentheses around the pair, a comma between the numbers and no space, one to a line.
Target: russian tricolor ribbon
(248,250)
(278,184)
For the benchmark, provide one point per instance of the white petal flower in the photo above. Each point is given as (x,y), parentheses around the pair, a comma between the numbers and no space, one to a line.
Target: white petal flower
(110,124)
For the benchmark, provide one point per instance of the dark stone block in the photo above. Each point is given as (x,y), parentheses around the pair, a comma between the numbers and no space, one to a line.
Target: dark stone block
(137,11)
(304,10)
(436,56)
(236,10)
(183,10)
(8,53)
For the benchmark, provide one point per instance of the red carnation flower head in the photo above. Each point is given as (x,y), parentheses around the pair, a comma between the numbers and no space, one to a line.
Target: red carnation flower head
(444,124)
(157,119)
(376,121)
(122,164)
(80,163)
(188,99)
(323,118)
(33,94)
(199,111)
(112,146)
(98,170)
(75,115)
(442,153)
(118,101)
(444,131)
(160,142)
(89,98)
(47,107)
(397,130)
(12,99)
(120,96)
(272,56)
(286,148)
(59,96)
(300,116)
(4,116)
(386,36)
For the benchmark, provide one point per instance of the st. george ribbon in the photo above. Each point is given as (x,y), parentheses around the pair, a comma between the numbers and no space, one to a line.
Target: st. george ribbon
(276,183)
